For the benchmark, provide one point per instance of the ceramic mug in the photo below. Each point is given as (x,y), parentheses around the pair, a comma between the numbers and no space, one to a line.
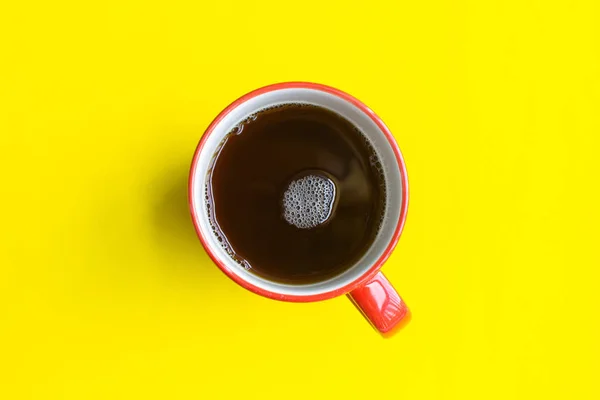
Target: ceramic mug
(363,283)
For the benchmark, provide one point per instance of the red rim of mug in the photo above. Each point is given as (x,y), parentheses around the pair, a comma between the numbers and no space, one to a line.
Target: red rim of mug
(374,269)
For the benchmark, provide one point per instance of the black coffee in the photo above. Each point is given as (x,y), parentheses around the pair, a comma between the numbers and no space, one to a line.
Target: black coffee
(296,194)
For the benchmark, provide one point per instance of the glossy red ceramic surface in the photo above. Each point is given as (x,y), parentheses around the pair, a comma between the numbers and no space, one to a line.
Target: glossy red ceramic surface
(369,275)
(380,304)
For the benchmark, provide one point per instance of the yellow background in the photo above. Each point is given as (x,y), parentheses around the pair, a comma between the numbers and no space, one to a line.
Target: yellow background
(105,292)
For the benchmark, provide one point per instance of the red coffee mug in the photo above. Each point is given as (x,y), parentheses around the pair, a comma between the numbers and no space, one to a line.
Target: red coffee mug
(364,283)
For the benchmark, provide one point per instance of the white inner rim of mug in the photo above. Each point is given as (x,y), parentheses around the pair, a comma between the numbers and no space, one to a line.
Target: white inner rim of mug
(353,114)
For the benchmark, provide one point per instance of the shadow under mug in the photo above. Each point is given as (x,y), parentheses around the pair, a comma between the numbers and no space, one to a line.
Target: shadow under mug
(363,283)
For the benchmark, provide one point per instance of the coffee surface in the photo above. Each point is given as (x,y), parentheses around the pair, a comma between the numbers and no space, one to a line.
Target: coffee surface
(296,194)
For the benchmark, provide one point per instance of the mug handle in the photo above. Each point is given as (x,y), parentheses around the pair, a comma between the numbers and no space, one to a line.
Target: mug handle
(381,304)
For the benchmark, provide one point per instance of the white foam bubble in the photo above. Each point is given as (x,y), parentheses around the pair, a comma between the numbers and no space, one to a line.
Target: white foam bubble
(308,201)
